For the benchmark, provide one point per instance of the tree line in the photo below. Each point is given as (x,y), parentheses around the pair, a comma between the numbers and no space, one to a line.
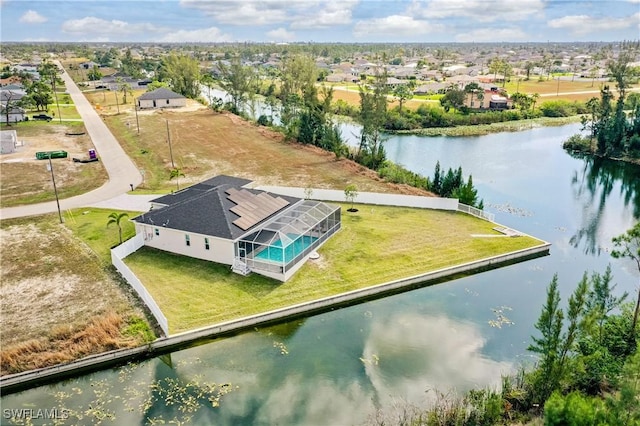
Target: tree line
(613,128)
(303,111)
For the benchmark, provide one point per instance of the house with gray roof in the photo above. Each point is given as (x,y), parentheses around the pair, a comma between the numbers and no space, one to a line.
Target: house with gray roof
(223,220)
(161,98)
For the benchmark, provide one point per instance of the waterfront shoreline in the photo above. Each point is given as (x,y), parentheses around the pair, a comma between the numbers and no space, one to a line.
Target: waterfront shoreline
(26,380)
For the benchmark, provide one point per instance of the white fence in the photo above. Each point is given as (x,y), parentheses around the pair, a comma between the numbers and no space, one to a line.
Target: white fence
(476,212)
(119,253)
(435,203)
(368,197)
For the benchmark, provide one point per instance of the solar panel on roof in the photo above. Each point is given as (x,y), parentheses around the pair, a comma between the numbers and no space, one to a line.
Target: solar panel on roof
(253,208)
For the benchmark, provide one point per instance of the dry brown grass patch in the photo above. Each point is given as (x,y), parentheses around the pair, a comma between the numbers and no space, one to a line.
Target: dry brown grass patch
(102,333)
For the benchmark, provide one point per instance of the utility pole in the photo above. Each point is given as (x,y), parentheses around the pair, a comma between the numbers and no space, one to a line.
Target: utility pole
(55,93)
(55,189)
(558,89)
(117,105)
(170,150)
(135,107)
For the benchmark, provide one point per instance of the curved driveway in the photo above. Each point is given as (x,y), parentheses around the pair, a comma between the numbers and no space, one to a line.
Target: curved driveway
(121,170)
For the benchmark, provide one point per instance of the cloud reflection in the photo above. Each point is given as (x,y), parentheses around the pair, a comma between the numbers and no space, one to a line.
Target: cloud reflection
(419,353)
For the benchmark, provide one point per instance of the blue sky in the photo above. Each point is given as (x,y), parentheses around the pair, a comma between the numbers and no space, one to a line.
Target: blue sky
(319,20)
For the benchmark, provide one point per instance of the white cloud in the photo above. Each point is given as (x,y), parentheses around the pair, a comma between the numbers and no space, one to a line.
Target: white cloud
(584,24)
(92,26)
(281,34)
(206,35)
(32,17)
(301,14)
(241,12)
(325,15)
(394,25)
(479,10)
(492,35)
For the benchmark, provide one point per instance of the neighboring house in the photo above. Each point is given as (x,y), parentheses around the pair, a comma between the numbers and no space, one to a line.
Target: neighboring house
(491,99)
(11,80)
(11,95)
(15,113)
(89,65)
(8,141)
(430,89)
(161,98)
(223,221)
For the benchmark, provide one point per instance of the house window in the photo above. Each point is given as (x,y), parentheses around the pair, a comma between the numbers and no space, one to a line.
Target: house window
(167,101)
(206,244)
(157,232)
(187,240)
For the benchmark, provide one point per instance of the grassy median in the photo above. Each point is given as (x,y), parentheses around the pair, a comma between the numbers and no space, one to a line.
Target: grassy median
(375,245)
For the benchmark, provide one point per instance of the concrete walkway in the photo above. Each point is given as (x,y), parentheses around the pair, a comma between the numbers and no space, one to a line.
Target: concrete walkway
(121,170)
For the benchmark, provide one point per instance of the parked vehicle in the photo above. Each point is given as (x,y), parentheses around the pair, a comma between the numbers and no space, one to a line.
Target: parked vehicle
(42,117)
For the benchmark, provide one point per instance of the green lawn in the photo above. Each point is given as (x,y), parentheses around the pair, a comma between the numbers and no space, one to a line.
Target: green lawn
(375,245)
(90,225)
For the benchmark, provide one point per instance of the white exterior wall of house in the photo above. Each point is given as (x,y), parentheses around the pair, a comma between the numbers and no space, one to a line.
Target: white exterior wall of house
(14,116)
(174,241)
(162,103)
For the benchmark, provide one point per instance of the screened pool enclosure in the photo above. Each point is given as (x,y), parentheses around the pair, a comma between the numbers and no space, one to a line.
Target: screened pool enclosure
(280,245)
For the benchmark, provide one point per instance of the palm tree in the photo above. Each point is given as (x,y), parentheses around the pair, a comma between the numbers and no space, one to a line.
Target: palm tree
(176,173)
(534,97)
(116,218)
(123,87)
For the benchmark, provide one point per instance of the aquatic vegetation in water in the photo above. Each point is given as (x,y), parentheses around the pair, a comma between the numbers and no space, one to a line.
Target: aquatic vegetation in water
(508,208)
(282,347)
(375,360)
(138,391)
(501,318)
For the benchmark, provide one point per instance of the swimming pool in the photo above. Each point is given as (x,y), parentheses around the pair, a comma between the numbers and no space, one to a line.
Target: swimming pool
(276,253)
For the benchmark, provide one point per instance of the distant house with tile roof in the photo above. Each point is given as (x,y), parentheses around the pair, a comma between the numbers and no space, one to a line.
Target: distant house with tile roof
(161,98)
(223,220)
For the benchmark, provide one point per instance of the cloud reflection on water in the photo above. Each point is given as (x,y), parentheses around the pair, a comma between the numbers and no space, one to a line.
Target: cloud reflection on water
(418,353)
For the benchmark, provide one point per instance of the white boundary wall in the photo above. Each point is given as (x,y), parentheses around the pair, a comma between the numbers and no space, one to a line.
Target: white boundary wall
(368,198)
(119,253)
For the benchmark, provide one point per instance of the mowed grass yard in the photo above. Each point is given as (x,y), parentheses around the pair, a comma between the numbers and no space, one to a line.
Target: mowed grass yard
(375,245)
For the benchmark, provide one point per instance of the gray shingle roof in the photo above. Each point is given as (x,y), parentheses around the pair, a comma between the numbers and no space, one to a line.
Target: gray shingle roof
(204,209)
(161,93)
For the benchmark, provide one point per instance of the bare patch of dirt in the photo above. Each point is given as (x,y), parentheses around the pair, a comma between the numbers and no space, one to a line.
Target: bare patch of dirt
(26,179)
(48,279)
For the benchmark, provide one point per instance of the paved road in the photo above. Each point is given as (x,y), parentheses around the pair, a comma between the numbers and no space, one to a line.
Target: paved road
(121,170)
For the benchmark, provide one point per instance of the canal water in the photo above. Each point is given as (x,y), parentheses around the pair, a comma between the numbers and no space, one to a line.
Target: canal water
(340,367)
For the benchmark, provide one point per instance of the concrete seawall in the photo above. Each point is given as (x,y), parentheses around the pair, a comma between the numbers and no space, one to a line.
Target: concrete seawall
(21,381)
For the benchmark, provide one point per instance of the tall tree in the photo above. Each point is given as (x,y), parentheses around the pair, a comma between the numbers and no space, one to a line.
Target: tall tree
(403,93)
(182,72)
(548,345)
(373,114)
(628,245)
(453,98)
(40,94)
(239,81)
(94,74)
(298,74)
